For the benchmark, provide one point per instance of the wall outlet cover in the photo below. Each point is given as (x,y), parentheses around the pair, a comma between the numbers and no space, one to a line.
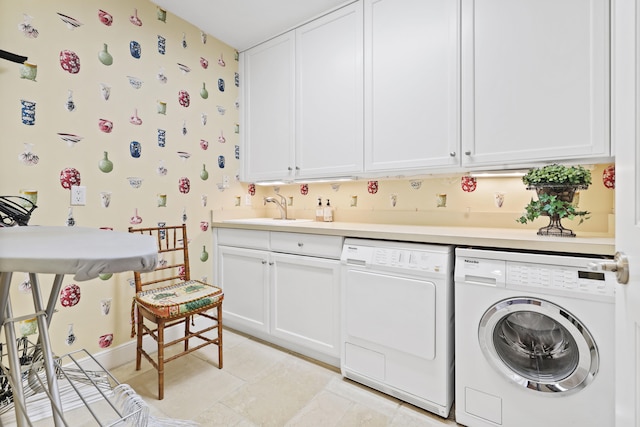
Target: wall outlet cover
(78,195)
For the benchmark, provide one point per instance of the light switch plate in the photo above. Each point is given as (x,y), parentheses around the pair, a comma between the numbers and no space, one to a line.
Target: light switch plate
(78,195)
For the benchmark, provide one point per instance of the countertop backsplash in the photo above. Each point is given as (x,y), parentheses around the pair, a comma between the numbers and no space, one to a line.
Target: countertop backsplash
(455,200)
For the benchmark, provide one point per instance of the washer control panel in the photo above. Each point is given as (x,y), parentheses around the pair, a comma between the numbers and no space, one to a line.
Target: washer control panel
(556,277)
(544,273)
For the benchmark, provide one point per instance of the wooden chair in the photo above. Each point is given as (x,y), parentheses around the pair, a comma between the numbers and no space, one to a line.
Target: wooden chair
(167,297)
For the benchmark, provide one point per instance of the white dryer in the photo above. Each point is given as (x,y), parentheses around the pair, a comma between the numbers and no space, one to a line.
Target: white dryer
(397,320)
(534,338)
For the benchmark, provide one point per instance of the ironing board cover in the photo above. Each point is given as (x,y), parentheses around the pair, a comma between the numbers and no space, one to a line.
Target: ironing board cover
(82,251)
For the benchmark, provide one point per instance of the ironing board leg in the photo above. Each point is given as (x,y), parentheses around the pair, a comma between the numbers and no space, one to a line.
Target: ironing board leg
(47,352)
(12,352)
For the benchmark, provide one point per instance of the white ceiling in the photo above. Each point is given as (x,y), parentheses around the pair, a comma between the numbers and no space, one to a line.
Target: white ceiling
(245,23)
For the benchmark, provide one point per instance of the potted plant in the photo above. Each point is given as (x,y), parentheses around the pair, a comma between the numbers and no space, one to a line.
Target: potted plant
(555,186)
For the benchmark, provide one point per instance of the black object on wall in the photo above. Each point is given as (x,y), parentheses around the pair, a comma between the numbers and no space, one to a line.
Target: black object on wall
(12,57)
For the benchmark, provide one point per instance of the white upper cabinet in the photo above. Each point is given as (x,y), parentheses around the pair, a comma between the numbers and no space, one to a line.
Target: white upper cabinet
(329,112)
(384,87)
(268,121)
(302,95)
(412,84)
(535,81)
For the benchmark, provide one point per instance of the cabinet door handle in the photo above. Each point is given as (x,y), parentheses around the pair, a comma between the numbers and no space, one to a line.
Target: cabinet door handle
(467,153)
(300,244)
(289,168)
(271,263)
(452,154)
(264,262)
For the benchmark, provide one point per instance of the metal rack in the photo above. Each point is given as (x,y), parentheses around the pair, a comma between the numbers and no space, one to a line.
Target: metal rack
(15,210)
(88,392)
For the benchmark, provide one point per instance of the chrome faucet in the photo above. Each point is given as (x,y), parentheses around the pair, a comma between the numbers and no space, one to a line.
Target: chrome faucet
(282,205)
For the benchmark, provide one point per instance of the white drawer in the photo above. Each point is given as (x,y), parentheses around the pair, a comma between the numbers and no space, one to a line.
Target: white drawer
(307,244)
(253,239)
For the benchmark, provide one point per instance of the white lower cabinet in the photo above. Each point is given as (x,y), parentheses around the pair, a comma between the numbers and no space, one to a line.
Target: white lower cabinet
(305,302)
(244,276)
(290,299)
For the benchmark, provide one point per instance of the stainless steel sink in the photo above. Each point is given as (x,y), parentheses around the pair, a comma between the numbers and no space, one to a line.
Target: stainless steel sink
(269,221)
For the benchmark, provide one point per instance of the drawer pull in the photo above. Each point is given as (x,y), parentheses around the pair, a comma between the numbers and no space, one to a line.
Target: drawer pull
(300,244)
(264,262)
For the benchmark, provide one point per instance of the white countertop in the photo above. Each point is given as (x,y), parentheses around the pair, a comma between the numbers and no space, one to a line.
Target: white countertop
(526,239)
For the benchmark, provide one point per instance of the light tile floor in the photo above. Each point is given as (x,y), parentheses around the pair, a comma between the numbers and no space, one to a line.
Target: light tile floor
(261,385)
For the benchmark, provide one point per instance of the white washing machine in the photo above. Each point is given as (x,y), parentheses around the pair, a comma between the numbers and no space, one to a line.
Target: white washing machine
(534,340)
(397,320)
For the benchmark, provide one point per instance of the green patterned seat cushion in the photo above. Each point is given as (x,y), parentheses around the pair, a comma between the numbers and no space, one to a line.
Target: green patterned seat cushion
(180,299)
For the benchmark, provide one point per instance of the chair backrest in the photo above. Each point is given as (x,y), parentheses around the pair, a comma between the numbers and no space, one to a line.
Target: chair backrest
(173,257)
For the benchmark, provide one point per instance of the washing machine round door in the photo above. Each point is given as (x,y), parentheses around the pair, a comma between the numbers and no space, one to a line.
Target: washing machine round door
(538,345)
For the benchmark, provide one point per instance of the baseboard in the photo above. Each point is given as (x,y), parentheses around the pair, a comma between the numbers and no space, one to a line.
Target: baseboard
(117,356)
(124,353)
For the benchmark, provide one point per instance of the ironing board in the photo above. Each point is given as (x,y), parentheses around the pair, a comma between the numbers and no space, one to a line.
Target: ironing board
(83,252)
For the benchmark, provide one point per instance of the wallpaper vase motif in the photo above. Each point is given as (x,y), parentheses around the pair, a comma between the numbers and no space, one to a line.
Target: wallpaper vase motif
(104,56)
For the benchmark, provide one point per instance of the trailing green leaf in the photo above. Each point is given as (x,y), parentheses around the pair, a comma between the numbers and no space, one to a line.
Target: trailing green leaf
(550,205)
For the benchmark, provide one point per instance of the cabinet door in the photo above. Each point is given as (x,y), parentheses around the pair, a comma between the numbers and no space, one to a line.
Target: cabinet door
(412,95)
(535,80)
(306,302)
(243,274)
(329,94)
(268,123)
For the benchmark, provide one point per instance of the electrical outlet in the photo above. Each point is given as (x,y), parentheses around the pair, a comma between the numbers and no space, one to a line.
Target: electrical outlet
(225,181)
(78,195)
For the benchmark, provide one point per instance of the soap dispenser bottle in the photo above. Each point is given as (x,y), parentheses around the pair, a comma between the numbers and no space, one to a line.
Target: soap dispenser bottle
(328,212)
(319,211)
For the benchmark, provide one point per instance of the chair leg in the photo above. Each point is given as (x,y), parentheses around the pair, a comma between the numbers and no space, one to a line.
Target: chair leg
(187,330)
(220,336)
(139,335)
(161,360)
